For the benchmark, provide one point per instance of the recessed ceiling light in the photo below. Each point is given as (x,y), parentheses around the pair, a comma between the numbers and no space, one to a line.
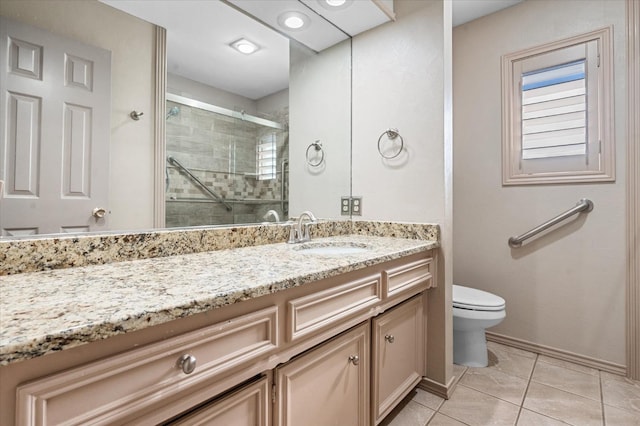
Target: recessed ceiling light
(245,46)
(294,21)
(335,4)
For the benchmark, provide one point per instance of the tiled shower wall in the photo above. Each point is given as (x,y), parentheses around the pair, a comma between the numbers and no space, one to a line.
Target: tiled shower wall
(221,152)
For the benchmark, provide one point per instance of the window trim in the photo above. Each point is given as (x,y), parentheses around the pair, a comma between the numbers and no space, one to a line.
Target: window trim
(511,174)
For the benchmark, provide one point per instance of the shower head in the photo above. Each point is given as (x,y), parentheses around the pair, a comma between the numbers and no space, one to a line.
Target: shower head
(173,111)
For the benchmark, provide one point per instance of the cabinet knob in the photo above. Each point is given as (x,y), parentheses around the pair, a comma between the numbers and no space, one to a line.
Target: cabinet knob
(354,359)
(187,363)
(389,338)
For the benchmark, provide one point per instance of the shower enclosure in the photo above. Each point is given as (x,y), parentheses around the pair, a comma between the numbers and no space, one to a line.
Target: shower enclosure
(224,166)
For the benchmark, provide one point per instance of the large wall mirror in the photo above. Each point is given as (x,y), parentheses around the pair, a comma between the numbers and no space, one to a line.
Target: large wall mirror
(251,137)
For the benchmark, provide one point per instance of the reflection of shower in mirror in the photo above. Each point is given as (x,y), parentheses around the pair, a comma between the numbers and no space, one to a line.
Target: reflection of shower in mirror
(173,111)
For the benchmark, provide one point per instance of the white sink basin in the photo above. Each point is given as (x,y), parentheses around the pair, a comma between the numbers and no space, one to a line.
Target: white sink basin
(331,249)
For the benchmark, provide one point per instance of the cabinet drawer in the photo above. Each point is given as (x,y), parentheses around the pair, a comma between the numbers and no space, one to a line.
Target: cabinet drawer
(248,406)
(311,313)
(116,388)
(415,276)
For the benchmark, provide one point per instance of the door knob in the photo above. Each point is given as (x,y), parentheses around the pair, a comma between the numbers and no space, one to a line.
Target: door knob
(99,212)
(389,338)
(354,359)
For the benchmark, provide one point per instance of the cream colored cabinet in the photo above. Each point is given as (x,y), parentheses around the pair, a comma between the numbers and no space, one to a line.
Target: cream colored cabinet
(328,385)
(397,355)
(340,351)
(248,406)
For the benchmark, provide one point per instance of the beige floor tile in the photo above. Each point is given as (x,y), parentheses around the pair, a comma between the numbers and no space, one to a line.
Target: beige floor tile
(513,361)
(427,399)
(476,408)
(409,414)
(560,405)
(567,364)
(620,392)
(529,418)
(582,384)
(618,417)
(496,383)
(442,420)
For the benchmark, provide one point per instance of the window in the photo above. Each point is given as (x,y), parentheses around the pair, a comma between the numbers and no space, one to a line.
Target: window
(266,157)
(557,112)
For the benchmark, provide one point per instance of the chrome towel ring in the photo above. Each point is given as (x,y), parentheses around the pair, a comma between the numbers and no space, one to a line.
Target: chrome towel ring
(391,134)
(317,145)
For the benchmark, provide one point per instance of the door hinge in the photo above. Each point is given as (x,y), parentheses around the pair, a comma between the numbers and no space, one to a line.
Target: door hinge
(598,60)
(273,393)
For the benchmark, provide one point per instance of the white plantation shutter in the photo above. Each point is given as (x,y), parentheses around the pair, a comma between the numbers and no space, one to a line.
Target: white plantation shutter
(554,111)
(266,157)
(557,112)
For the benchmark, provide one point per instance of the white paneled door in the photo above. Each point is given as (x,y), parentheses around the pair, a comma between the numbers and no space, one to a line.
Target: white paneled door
(54,132)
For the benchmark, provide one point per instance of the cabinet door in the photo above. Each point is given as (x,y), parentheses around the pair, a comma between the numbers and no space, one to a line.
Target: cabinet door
(397,355)
(248,406)
(327,386)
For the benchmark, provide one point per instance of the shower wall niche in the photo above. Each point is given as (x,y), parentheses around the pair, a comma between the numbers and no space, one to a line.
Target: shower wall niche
(241,160)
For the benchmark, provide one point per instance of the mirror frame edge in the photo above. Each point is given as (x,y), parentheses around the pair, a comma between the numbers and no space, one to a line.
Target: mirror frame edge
(159,135)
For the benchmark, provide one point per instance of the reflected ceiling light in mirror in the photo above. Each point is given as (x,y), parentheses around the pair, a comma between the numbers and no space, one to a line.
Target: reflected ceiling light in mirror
(293,21)
(335,4)
(245,46)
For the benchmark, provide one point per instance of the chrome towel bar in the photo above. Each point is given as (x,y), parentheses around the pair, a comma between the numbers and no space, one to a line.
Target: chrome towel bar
(584,205)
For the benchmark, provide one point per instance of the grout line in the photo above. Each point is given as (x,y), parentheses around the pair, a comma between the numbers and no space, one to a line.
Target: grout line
(535,363)
(604,422)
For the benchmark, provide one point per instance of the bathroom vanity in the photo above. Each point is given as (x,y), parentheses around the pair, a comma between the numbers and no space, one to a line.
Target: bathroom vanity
(281,334)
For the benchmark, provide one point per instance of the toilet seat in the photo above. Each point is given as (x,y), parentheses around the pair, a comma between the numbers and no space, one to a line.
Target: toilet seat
(476,300)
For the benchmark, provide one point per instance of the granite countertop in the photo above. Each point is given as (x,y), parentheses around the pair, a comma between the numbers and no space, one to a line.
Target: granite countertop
(43,312)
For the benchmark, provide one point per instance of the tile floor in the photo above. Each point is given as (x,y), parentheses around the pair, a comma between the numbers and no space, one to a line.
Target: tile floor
(523,388)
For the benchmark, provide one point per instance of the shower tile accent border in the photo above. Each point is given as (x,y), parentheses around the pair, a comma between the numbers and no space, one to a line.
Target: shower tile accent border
(59,252)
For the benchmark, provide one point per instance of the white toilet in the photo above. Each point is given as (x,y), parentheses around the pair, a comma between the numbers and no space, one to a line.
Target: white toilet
(474,311)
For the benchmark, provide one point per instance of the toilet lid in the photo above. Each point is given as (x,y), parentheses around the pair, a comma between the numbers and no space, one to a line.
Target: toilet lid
(477,300)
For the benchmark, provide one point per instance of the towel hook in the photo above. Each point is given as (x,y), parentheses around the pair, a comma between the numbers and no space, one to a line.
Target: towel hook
(317,145)
(135,115)
(391,134)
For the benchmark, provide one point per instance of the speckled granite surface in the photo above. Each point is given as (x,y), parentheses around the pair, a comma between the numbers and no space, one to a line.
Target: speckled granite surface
(47,311)
(41,254)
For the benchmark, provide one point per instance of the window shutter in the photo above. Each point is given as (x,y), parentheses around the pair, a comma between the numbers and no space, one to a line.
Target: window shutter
(554,111)
(266,157)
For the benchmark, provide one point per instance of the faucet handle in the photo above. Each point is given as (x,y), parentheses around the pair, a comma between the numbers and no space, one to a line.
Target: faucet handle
(293,237)
(307,236)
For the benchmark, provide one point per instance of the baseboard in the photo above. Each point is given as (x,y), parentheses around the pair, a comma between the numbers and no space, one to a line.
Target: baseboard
(563,355)
(436,388)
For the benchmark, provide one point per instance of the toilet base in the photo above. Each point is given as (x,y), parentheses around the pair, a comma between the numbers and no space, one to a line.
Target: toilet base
(470,348)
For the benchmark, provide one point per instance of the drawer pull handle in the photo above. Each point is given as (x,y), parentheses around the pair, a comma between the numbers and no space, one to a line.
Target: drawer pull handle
(389,338)
(187,363)
(354,359)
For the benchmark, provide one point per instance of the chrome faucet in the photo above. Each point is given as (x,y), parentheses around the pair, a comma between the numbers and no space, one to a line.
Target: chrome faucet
(270,213)
(296,233)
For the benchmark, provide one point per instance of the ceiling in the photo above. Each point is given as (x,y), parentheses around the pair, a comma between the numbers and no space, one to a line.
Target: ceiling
(199,33)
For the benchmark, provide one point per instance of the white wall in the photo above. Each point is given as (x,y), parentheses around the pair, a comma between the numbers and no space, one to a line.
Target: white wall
(564,290)
(192,89)
(131,42)
(402,79)
(320,109)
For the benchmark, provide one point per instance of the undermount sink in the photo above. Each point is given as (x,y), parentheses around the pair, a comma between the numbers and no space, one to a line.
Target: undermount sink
(331,249)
